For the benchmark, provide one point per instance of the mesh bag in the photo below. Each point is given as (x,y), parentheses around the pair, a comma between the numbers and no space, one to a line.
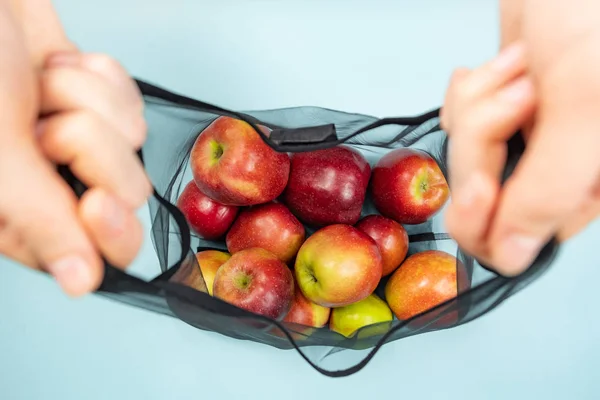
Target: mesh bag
(179,290)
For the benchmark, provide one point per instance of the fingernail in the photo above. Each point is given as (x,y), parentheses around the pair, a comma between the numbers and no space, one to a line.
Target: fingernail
(518,90)
(114,214)
(509,56)
(468,193)
(517,252)
(72,273)
(63,60)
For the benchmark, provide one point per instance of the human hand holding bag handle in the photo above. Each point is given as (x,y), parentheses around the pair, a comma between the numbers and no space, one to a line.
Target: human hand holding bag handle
(290,132)
(64,107)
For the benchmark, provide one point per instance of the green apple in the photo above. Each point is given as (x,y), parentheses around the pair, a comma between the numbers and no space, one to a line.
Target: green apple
(372,310)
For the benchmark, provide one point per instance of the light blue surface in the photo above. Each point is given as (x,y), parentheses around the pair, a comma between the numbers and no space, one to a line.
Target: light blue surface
(377,57)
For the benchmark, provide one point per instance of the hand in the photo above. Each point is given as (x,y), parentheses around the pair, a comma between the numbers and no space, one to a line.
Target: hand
(92,121)
(555,187)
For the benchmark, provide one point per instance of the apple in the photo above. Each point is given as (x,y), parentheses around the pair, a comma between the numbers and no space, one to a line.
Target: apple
(209,262)
(270,226)
(425,280)
(372,310)
(206,217)
(305,312)
(257,281)
(408,186)
(391,239)
(233,165)
(328,186)
(338,265)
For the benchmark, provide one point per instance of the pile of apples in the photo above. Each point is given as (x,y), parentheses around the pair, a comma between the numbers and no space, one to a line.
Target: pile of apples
(263,203)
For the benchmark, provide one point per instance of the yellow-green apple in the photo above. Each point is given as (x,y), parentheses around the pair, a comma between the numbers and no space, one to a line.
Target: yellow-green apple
(338,265)
(425,280)
(207,218)
(408,186)
(327,186)
(347,320)
(256,280)
(209,262)
(305,312)
(270,226)
(391,239)
(233,165)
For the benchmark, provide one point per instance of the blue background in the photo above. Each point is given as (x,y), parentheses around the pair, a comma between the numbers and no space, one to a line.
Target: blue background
(374,57)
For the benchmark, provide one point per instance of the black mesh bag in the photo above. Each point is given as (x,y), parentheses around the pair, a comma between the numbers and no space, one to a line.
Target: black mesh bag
(178,288)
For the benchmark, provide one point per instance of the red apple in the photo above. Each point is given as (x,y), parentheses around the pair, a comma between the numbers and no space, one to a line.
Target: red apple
(206,217)
(256,281)
(232,164)
(305,312)
(425,280)
(408,186)
(391,239)
(338,265)
(269,226)
(327,186)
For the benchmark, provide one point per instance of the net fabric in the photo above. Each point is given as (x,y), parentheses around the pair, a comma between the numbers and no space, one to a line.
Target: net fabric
(174,123)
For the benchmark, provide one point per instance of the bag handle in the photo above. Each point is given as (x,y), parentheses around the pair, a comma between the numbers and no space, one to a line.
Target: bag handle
(282,139)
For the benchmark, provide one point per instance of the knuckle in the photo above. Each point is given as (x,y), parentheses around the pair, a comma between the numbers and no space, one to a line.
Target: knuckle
(139,192)
(458,75)
(455,228)
(12,243)
(465,91)
(54,82)
(103,63)
(69,131)
(139,104)
(139,131)
(121,253)
(459,80)
(145,191)
(444,119)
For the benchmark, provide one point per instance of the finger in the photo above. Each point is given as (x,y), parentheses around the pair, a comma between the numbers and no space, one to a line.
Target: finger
(114,73)
(112,226)
(115,76)
(43,209)
(470,212)
(71,88)
(476,157)
(481,132)
(544,190)
(510,63)
(447,111)
(13,246)
(575,223)
(96,154)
